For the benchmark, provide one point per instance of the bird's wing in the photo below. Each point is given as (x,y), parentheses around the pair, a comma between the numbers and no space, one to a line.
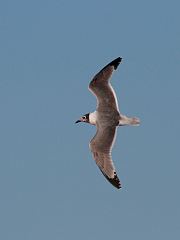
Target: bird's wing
(101,146)
(101,87)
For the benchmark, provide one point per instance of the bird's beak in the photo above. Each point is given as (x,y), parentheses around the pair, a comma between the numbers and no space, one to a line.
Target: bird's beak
(78,121)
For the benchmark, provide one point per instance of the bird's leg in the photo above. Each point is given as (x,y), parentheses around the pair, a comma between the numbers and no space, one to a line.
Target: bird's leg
(124,120)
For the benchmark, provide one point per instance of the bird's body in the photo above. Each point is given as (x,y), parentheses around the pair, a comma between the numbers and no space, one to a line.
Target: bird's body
(107,118)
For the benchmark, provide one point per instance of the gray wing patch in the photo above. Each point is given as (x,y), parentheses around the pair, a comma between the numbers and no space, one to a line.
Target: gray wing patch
(101,87)
(101,146)
(107,168)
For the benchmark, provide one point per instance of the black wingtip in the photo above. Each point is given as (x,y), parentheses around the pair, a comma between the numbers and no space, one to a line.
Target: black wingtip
(114,181)
(115,63)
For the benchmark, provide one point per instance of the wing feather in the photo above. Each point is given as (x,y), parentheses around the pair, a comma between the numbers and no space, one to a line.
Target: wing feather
(101,87)
(101,146)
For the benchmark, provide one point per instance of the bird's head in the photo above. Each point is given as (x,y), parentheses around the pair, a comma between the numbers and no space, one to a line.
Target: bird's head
(84,118)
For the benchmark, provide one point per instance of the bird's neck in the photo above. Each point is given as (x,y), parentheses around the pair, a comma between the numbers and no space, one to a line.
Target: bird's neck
(93,118)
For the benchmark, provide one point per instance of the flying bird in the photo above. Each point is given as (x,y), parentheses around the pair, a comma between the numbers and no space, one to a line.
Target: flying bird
(106,118)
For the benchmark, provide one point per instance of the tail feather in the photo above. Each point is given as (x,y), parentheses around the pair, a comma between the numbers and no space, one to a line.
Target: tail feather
(134,121)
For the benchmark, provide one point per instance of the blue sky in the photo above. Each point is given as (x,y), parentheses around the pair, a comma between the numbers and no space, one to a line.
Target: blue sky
(50,187)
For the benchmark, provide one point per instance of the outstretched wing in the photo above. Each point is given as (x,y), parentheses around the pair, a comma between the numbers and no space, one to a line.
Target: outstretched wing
(101,87)
(101,146)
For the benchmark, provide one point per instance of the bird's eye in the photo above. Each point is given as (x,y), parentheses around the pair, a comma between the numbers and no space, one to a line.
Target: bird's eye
(84,117)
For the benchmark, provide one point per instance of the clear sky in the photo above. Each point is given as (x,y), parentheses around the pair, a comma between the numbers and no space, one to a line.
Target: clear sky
(50,186)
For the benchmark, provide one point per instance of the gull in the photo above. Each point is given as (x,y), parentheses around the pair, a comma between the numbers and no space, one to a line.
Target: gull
(106,118)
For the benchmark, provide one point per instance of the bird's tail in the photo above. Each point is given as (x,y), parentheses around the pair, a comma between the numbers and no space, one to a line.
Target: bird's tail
(134,121)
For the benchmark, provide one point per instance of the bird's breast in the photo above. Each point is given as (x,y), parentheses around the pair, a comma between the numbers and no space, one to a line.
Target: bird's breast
(108,118)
